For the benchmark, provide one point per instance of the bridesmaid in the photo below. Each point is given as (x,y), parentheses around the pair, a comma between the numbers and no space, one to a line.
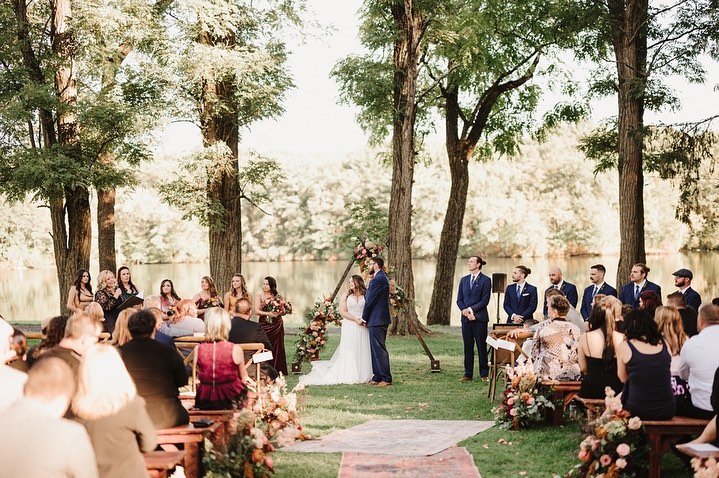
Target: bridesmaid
(108,296)
(239,291)
(208,296)
(80,294)
(127,288)
(271,323)
(168,297)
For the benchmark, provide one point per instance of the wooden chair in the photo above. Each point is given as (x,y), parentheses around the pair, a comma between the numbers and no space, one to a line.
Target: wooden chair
(663,433)
(593,406)
(192,439)
(224,418)
(500,359)
(159,463)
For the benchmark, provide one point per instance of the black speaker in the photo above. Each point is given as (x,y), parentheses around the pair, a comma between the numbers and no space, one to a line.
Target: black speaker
(499,282)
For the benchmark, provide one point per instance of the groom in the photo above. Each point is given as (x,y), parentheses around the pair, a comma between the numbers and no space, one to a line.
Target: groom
(376,317)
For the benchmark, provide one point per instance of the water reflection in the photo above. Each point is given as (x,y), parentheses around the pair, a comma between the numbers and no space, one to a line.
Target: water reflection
(30,295)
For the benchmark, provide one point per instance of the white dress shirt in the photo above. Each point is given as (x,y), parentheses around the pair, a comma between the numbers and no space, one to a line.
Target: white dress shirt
(699,362)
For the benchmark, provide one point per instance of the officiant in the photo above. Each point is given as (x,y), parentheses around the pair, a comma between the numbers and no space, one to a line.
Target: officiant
(472,299)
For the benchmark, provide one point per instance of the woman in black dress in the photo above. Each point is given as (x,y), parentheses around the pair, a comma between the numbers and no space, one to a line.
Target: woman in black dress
(597,358)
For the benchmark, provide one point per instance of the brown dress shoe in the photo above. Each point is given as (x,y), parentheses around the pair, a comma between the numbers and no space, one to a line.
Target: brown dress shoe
(384,384)
(372,382)
(465,379)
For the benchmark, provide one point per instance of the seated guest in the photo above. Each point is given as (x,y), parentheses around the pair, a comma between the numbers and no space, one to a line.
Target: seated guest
(54,331)
(669,323)
(597,358)
(37,441)
(121,336)
(81,332)
(95,311)
(573,316)
(554,350)
(160,325)
(220,366)
(689,315)
(157,370)
(12,381)
(185,321)
(699,362)
(709,435)
(643,364)
(245,331)
(18,343)
(107,404)
(649,301)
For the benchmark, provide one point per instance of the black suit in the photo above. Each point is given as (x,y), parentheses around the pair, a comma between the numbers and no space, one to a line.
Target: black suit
(158,372)
(244,331)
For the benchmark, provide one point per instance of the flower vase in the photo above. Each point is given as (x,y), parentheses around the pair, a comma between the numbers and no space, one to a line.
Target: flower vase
(515,424)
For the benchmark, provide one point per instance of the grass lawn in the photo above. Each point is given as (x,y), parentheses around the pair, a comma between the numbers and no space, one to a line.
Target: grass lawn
(541,452)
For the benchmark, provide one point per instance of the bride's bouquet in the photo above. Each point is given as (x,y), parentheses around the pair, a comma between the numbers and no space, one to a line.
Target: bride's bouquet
(278,305)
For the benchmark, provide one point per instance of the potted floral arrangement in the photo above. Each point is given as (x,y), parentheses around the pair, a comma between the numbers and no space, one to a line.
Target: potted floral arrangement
(313,339)
(524,401)
(617,447)
(277,409)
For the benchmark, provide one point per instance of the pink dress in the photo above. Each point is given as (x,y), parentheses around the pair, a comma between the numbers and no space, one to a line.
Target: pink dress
(220,386)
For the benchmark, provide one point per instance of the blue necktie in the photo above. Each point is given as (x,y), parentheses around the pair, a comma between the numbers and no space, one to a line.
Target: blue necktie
(636,292)
(519,292)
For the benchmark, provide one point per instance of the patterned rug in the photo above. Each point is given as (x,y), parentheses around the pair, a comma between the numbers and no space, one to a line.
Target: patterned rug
(454,461)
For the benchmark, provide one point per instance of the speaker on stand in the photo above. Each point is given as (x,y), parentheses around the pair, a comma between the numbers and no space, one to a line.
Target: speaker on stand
(499,285)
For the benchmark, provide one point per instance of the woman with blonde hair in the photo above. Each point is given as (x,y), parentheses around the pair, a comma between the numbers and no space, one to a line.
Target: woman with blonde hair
(220,365)
(185,321)
(108,296)
(121,335)
(237,292)
(95,311)
(115,418)
(669,322)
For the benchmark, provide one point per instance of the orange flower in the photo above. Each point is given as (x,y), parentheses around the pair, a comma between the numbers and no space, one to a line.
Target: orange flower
(257,455)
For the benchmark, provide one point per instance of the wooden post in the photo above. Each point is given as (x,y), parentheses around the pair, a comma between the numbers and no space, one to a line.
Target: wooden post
(344,276)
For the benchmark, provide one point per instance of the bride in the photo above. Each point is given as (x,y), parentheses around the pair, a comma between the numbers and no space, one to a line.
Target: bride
(352,361)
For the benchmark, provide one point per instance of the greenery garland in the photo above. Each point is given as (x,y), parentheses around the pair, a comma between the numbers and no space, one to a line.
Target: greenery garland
(313,340)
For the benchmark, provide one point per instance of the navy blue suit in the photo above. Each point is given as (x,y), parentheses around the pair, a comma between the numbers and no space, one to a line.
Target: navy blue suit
(570,292)
(626,296)
(524,306)
(376,314)
(475,295)
(693,298)
(587,297)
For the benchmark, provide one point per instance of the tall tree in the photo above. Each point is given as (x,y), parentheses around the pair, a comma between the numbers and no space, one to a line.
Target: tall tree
(644,43)
(481,67)
(231,71)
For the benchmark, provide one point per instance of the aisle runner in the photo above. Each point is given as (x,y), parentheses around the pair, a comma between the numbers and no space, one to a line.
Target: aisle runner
(454,462)
(395,437)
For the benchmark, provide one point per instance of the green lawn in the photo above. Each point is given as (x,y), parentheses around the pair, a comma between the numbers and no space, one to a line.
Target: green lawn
(541,452)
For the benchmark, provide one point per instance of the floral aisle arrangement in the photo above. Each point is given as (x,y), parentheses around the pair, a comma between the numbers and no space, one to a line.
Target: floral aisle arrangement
(398,300)
(247,453)
(277,304)
(705,467)
(617,448)
(277,409)
(524,400)
(313,339)
(364,252)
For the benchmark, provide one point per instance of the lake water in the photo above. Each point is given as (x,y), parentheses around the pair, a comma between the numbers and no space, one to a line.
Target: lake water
(30,295)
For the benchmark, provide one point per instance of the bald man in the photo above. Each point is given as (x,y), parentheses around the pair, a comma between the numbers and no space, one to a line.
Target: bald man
(556,278)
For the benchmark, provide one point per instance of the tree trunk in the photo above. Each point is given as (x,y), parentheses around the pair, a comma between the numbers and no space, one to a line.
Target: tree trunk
(629,37)
(409,25)
(71,242)
(220,123)
(106,229)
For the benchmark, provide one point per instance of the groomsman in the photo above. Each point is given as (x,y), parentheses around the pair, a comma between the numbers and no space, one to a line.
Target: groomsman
(683,281)
(596,277)
(557,279)
(475,290)
(639,283)
(520,298)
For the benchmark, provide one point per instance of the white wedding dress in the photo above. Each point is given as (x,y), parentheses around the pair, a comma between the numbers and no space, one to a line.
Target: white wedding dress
(352,361)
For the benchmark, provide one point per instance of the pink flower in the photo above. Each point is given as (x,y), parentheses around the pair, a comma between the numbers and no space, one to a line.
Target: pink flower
(268,463)
(621,463)
(530,400)
(634,423)
(513,412)
(605,460)
(582,454)
(510,401)
(595,444)
(623,449)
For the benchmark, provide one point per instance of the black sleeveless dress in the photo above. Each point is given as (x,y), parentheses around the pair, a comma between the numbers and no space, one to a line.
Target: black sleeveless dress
(600,374)
(648,392)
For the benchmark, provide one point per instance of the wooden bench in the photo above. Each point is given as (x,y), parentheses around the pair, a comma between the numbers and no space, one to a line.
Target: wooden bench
(594,407)
(159,463)
(192,439)
(104,336)
(224,418)
(564,392)
(663,433)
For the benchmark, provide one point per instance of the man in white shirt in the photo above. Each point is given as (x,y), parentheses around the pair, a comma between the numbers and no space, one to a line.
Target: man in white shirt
(11,381)
(699,363)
